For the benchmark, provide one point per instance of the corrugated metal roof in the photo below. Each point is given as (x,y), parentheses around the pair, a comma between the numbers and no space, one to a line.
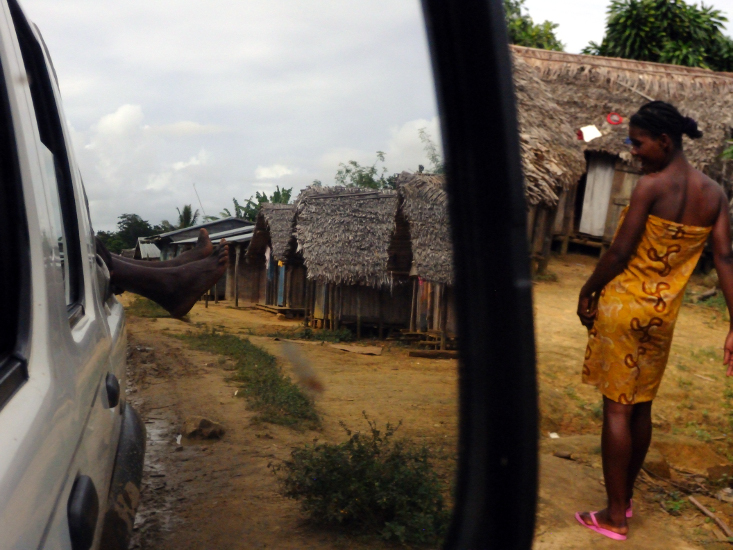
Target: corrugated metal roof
(148,251)
(241,234)
(205,225)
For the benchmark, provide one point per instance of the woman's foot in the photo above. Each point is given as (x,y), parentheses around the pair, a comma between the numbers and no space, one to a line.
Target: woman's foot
(605,522)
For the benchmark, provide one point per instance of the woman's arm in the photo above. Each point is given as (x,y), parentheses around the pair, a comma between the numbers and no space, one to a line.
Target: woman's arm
(614,261)
(723,258)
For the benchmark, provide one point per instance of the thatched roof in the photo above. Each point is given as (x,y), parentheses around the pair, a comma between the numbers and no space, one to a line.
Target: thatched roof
(344,234)
(274,228)
(588,88)
(425,207)
(552,159)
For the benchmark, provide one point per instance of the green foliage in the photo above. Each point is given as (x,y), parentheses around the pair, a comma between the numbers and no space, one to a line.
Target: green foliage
(130,227)
(675,504)
(371,483)
(523,31)
(272,393)
(431,150)
(142,307)
(666,31)
(728,153)
(353,174)
(187,217)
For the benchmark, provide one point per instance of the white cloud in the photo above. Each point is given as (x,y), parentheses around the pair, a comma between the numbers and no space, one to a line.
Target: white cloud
(272,172)
(186,128)
(197,160)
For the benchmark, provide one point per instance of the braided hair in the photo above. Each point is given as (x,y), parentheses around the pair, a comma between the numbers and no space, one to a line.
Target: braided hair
(659,117)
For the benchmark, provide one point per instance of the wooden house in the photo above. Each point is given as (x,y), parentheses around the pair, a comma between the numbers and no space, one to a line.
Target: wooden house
(271,274)
(346,237)
(605,92)
(424,209)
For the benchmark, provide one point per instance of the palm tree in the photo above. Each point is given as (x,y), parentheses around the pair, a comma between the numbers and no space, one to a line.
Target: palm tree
(187,217)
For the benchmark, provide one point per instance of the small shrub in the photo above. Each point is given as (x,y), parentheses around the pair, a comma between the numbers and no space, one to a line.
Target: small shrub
(278,399)
(371,484)
(142,307)
(546,277)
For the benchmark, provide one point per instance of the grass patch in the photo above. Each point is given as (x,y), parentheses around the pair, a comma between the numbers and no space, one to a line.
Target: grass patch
(142,307)
(274,395)
(370,484)
(319,335)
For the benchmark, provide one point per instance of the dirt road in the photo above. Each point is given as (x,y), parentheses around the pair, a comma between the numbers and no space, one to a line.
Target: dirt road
(221,494)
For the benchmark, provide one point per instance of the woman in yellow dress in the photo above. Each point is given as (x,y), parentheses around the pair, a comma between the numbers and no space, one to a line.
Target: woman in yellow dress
(631,301)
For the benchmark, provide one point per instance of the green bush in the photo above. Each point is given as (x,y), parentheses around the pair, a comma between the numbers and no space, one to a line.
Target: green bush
(371,483)
(278,399)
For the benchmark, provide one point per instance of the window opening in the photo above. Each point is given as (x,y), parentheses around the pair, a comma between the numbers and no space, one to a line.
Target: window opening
(56,169)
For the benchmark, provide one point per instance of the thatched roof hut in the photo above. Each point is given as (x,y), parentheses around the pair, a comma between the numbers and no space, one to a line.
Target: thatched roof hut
(344,234)
(425,208)
(588,88)
(274,227)
(552,159)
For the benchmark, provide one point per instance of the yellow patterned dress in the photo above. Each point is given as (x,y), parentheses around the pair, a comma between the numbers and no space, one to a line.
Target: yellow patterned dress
(629,343)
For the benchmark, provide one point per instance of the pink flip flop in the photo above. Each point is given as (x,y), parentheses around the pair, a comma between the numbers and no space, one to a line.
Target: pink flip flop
(629,510)
(597,528)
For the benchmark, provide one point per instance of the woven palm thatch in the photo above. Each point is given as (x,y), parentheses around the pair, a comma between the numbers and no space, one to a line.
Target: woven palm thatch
(344,234)
(588,88)
(552,159)
(275,228)
(425,207)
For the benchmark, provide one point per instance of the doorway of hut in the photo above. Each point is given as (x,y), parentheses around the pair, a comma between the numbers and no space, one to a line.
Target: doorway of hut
(589,213)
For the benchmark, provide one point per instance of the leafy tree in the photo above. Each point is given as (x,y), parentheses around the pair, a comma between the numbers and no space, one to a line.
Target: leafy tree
(187,217)
(523,31)
(279,196)
(353,174)
(431,150)
(666,31)
(130,227)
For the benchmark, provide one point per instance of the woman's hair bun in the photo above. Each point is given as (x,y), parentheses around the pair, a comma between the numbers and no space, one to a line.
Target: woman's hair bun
(689,128)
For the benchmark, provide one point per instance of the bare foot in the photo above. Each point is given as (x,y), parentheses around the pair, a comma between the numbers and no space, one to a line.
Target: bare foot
(193,279)
(604,520)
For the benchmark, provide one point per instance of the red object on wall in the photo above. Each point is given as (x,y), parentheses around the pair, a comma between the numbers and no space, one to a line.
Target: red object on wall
(614,118)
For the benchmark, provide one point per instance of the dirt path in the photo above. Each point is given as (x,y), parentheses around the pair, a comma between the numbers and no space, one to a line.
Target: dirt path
(222,494)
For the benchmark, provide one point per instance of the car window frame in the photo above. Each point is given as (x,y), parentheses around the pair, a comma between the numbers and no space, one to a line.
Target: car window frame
(40,70)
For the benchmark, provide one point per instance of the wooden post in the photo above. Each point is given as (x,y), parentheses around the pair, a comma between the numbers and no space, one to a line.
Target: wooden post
(306,303)
(206,300)
(381,315)
(216,294)
(236,276)
(443,314)
(331,312)
(413,307)
(358,314)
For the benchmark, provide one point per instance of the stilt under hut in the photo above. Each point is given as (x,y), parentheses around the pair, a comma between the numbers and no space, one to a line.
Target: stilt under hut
(346,237)
(604,93)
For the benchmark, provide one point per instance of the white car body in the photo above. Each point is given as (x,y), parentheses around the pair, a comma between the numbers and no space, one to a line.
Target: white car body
(58,425)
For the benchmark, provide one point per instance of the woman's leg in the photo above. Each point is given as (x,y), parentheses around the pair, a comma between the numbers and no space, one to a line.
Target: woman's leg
(617,451)
(641,436)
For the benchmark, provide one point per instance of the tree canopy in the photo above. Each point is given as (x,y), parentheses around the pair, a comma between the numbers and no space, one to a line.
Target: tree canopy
(666,31)
(251,206)
(187,217)
(353,174)
(523,31)
(129,228)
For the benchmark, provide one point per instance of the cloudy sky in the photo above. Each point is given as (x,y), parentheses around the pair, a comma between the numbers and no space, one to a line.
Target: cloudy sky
(242,96)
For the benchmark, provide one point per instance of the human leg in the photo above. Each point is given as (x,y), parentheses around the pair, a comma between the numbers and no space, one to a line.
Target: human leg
(203,249)
(175,288)
(617,450)
(641,437)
